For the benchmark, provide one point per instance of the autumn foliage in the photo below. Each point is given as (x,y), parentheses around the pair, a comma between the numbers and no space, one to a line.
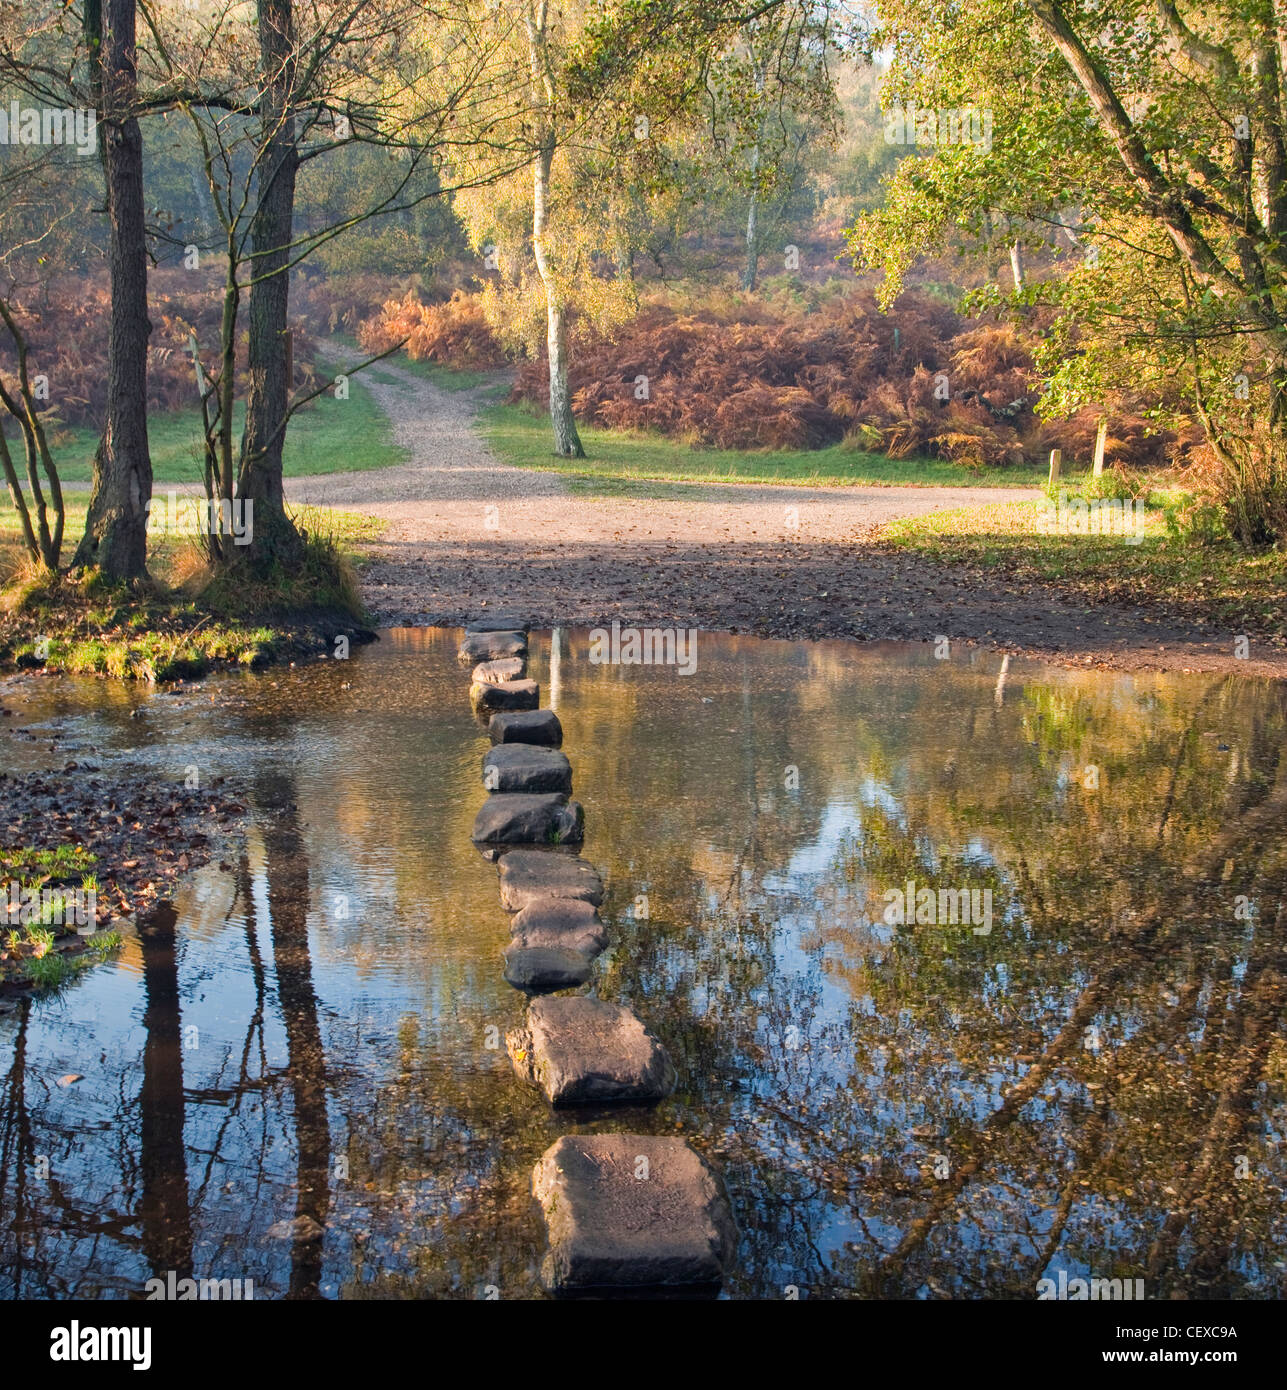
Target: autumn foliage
(749,373)
(454,332)
(66,328)
(919,381)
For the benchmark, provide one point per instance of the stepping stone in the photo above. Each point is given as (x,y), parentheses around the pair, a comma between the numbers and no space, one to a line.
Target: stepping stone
(491,646)
(562,923)
(517,818)
(508,695)
(533,875)
(495,622)
(587,1052)
(609,1227)
(507,668)
(539,726)
(521,767)
(540,969)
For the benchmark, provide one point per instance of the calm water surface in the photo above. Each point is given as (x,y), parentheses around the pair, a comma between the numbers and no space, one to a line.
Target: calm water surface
(1094,1086)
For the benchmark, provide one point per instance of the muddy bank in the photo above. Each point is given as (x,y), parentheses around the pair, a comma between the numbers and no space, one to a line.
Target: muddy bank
(794,590)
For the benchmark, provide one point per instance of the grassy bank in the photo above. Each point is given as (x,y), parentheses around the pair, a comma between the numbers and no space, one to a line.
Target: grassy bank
(187,621)
(521,437)
(326,436)
(1216,586)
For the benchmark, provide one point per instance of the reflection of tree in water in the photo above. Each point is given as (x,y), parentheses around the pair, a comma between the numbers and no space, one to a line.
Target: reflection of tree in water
(17,1158)
(113,1219)
(163,1209)
(288,901)
(1091,1073)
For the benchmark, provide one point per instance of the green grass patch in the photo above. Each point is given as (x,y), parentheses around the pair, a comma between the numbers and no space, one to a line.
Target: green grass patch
(326,436)
(521,437)
(64,861)
(1215,585)
(33,962)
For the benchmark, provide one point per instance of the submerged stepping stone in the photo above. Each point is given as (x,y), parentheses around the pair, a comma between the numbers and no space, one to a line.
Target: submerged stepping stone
(491,646)
(517,818)
(507,668)
(508,695)
(538,726)
(496,622)
(562,923)
(585,1052)
(539,969)
(631,1211)
(533,875)
(523,767)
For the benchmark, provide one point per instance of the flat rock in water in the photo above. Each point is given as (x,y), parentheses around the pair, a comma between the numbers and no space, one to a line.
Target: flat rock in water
(516,818)
(567,923)
(491,646)
(523,767)
(539,969)
(508,695)
(534,875)
(496,622)
(507,668)
(631,1211)
(539,726)
(587,1052)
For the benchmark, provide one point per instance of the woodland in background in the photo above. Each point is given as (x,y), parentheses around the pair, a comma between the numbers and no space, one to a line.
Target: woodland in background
(605,195)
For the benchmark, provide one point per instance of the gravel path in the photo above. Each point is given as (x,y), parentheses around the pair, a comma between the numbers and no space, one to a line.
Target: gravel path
(466,532)
(446,490)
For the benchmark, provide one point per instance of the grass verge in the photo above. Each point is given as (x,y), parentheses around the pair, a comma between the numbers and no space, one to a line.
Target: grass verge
(1217,585)
(521,437)
(448,378)
(326,436)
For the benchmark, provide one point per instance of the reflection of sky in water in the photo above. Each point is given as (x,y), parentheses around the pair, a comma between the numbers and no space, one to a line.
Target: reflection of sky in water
(340,1002)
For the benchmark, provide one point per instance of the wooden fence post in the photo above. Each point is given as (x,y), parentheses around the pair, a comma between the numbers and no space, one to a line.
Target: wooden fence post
(1101,438)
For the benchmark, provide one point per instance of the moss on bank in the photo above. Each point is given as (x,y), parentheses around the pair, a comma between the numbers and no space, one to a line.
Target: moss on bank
(187,620)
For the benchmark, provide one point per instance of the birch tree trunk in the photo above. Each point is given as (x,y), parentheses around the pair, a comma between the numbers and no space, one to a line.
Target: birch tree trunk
(1016,264)
(751,271)
(567,442)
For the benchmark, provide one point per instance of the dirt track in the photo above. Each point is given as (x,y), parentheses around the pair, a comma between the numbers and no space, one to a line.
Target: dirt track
(467,533)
